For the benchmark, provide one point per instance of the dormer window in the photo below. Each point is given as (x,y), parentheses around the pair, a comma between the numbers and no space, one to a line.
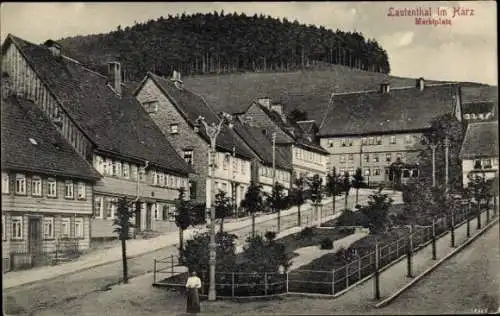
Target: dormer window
(174,129)
(150,106)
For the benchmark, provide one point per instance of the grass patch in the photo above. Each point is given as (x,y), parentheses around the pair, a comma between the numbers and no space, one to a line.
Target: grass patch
(295,241)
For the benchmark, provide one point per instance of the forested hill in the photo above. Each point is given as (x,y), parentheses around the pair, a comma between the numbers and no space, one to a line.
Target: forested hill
(219,43)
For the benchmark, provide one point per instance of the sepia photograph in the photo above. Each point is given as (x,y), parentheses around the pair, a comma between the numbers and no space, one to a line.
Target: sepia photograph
(249,158)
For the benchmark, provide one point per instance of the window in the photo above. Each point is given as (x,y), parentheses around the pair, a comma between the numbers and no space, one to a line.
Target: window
(192,190)
(79,227)
(109,208)
(51,187)
(477,164)
(330,143)
(118,169)
(367,172)
(408,139)
(375,158)
(150,106)
(126,168)
(351,157)
(486,163)
(20,184)
(142,174)
(68,192)
(414,173)
(376,172)
(399,156)
(17,227)
(349,142)
(371,141)
(155,176)
(157,211)
(133,172)
(171,181)
(81,190)
(388,157)
(342,158)
(5,182)
(4,230)
(364,141)
(36,186)
(342,171)
(174,128)
(342,142)
(225,162)
(48,227)
(161,180)
(393,139)
(406,173)
(188,157)
(98,207)
(351,171)
(65,228)
(177,184)
(366,157)
(243,164)
(379,140)
(99,163)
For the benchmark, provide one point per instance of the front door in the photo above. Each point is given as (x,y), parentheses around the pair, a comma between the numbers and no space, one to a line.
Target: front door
(35,239)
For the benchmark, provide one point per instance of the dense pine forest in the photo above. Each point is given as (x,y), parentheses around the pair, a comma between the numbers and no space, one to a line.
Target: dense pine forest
(221,43)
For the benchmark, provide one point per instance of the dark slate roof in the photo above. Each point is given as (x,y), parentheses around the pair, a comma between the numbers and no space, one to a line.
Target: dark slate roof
(261,145)
(114,124)
(481,140)
(307,127)
(52,154)
(375,112)
(479,107)
(191,106)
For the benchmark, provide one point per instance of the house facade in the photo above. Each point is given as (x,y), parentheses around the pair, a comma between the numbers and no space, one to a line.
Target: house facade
(46,189)
(479,152)
(99,117)
(306,156)
(175,109)
(373,129)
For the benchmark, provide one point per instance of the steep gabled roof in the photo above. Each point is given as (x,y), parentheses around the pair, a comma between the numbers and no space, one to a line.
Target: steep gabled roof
(30,142)
(114,124)
(404,109)
(307,127)
(481,140)
(191,106)
(261,145)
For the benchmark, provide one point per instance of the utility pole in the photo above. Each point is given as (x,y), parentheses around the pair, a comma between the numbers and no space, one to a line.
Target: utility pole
(433,147)
(274,157)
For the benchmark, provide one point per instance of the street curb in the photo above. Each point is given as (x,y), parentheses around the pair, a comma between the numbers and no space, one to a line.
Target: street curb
(437,264)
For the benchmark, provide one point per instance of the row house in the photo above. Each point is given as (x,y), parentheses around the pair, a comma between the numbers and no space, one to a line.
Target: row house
(273,164)
(46,188)
(373,129)
(305,155)
(101,119)
(175,110)
(479,152)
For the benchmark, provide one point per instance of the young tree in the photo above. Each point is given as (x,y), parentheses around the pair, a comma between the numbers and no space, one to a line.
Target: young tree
(315,187)
(223,208)
(377,211)
(253,202)
(277,200)
(358,181)
(297,196)
(182,216)
(346,186)
(333,186)
(124,212)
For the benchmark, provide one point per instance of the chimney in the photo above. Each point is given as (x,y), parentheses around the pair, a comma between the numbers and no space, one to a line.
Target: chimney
(54,47)
(420,83)
(176,78)
(265,101)
(385,87)
(115,73)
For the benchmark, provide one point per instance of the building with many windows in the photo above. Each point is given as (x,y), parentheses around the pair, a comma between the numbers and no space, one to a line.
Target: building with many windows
(46,187)
(373,129)
(479,152)
(99,117)
(175,109)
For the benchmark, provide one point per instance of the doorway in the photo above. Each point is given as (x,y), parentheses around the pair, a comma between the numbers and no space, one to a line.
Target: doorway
(35,239)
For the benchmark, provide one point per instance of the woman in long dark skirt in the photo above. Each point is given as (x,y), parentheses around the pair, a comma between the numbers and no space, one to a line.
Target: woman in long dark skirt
(193,299)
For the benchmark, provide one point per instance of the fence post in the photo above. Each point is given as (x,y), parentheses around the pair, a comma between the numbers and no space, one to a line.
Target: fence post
(397,248)
(287,282)
(494,205)
(333,281)
(172,265)
(377,276)
(468,220)
(232,285)
(265,283)
(433,239)
(488,213)
(347,275)
(154,272)
(359,269)
(409,257)
(453,228)
(479,215)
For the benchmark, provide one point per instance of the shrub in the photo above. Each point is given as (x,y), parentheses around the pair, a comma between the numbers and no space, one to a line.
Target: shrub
(326,243)
(307,232)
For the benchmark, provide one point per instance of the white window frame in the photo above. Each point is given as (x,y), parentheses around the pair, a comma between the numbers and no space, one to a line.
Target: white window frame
(243,167)
(188,156)
(51,184)
(66,224)
(100,200)
(378,140)
(350,157)
(156,211)
(366,157)
(109,167)
(78,227)
(154,173)
(126,170)
(133,172)
(225,162)
(150,106)
(330,143)
(48,222)
(5,183)
(20,184)
(99,163)
(393,140)
(376,172)
(162,179)
(69,184)
(407,139)
(17,234)
(174,129)
(81,190)
(388,157)
(342,158)
(4,230)
(36,186)
(142,174)
(376,157)
(110,206)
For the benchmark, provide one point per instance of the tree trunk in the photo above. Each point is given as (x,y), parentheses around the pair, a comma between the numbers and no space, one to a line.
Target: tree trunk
(333,203)
(124,260)
(298,214)
(279,220)
(221,225)
(253,224)
(181,239)
(357,192)
(346,196)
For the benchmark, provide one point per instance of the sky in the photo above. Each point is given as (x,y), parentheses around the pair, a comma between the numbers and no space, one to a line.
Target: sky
(465,50)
